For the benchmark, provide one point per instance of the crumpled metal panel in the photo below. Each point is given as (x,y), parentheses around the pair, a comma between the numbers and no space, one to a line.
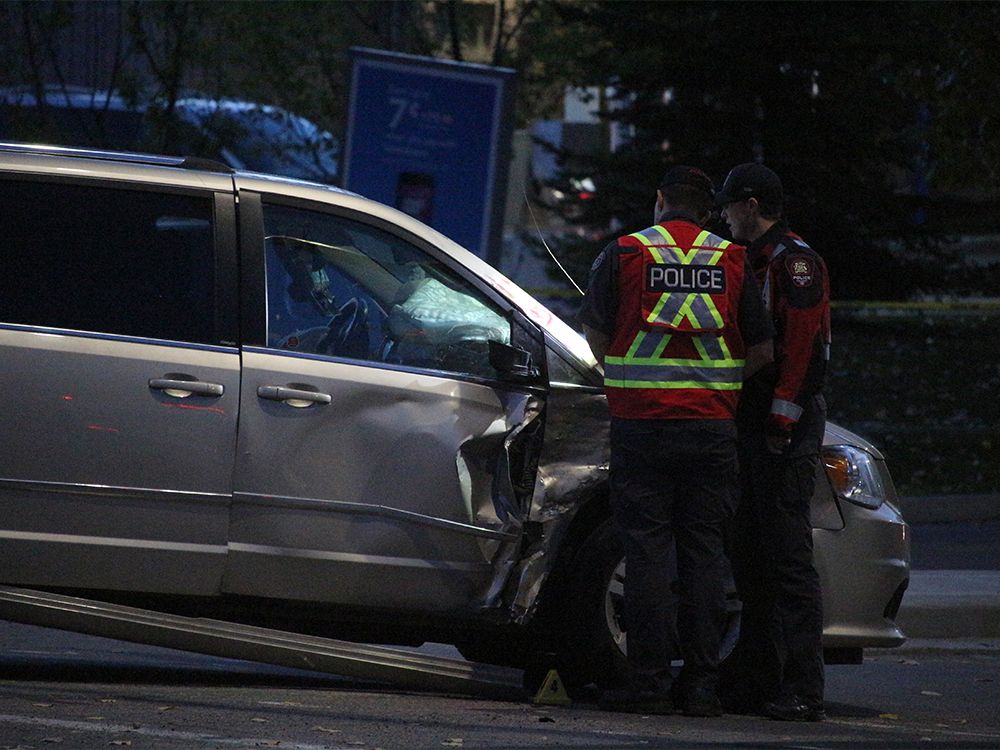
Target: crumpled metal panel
(513,485)
(572,467)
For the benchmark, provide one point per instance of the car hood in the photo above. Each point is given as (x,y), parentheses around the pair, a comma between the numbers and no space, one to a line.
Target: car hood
(837,435)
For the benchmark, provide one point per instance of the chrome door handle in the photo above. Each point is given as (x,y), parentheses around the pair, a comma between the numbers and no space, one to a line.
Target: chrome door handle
(185,388)
(296,397)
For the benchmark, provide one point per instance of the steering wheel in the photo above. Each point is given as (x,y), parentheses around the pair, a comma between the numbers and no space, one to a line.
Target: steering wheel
(347,333)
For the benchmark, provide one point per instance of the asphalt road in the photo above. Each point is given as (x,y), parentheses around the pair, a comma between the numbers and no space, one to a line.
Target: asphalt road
(973,545)
(66,690)
(62,689)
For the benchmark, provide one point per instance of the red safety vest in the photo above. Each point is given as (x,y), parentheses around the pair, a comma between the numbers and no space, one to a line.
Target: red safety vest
(676,352)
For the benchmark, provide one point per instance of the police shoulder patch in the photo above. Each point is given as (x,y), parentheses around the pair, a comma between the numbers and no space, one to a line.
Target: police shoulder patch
(801,268)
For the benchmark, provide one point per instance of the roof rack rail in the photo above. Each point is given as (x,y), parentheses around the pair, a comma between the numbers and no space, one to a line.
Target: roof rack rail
(183,162)
(206,165)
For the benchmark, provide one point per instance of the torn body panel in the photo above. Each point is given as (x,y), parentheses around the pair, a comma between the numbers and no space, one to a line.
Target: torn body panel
(572,470)
(496,472)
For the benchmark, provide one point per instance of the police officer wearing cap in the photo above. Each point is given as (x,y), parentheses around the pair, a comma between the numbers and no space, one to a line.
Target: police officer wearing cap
(676,318)
(777,665)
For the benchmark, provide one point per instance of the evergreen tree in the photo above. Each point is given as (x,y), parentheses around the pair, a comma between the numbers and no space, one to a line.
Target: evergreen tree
(838,98)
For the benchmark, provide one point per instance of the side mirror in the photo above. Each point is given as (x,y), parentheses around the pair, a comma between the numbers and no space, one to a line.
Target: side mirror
(512,363)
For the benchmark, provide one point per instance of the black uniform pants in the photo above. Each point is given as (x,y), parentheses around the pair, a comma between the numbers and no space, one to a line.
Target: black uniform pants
(779,653)
(673,479)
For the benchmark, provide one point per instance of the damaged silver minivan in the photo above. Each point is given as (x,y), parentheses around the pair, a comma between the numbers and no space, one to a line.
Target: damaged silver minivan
(263,400)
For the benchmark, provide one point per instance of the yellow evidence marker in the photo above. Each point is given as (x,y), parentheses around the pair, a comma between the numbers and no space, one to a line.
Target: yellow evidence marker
(552,692)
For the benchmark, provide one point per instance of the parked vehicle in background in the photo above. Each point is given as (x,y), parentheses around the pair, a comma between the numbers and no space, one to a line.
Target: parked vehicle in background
(254,398)
(261,138)
(555,173)
(244,135)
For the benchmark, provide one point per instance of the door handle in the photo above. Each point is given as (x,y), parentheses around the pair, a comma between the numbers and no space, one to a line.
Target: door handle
(185,388)
(296,397)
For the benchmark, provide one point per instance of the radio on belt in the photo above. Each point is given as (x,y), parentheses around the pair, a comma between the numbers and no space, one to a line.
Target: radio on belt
(670,277)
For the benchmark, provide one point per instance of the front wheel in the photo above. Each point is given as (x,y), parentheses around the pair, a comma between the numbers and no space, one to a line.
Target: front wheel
(598,643)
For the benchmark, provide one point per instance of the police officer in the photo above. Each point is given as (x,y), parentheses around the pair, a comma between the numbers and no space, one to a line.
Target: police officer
(777,666)
(676,318)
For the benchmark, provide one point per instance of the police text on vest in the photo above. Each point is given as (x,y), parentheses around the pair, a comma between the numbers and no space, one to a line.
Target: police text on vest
(667,277)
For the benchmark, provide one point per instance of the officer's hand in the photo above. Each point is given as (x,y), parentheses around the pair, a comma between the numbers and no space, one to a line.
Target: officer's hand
(777,436)
(777,442)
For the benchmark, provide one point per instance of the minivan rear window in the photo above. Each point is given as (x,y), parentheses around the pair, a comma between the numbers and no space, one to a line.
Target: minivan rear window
(130,262)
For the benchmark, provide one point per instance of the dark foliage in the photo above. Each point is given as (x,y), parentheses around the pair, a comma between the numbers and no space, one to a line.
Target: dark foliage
(838,98)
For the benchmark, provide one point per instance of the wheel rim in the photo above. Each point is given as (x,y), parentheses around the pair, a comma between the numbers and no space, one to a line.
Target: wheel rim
(614,607)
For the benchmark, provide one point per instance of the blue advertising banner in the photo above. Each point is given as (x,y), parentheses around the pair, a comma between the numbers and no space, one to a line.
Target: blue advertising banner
(432,138)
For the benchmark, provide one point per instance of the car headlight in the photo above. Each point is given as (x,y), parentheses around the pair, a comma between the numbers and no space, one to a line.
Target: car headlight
(854,476)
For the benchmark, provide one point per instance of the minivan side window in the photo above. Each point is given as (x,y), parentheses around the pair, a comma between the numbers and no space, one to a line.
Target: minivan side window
(346,289)
(107,260)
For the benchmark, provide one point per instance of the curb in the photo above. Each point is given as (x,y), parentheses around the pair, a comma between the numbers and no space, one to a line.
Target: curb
(951,604)
(937,646)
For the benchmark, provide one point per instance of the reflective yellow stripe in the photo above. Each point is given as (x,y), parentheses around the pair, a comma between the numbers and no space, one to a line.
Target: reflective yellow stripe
(721,243)
(685,256)
(665,234)
(674,361)
(655,312)
(700,346)
(685,312)
(714,311)
(726,354)
(651,371)
(640,337)
(653,249)
(672,385)
(648,372)
(706,359)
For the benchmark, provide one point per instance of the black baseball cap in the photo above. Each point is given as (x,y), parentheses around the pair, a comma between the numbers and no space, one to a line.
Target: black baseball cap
(690,176)
(751,181)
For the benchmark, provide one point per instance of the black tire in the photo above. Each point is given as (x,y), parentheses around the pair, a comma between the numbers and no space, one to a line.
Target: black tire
(596,651)
(596,645)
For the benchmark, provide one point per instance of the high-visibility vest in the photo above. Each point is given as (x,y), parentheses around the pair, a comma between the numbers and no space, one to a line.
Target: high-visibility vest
(676,352)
